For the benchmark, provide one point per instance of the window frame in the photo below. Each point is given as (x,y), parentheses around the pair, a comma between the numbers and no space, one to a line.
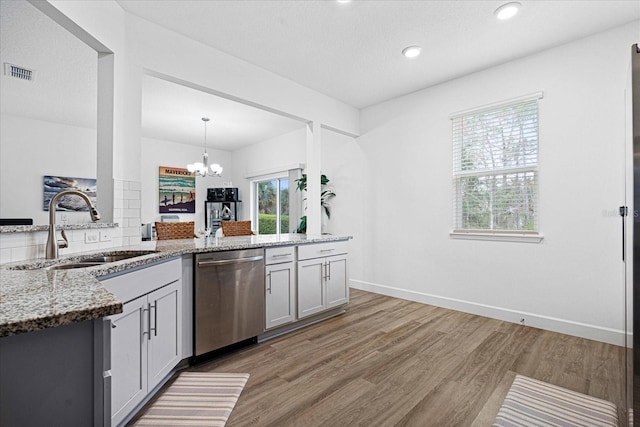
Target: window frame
(516,235)
(255,214)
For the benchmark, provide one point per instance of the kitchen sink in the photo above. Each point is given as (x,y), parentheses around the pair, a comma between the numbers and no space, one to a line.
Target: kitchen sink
(102,259)
(73,262)
(72,265)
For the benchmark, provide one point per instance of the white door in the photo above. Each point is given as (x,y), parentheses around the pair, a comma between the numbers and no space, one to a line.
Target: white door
(165,332)
(128,358)
(311,287)
(337,281)
(280,297)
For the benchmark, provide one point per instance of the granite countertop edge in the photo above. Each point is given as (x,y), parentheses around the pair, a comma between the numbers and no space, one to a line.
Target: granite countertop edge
(33,298)
(45,227)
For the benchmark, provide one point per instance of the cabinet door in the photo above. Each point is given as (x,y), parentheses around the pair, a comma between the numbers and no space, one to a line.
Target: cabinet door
(280,294)
(337,280)
(311,288)
(128,358)
(165,332)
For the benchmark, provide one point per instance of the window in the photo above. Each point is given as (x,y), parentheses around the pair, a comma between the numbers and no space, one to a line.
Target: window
(495,168)
(272,206)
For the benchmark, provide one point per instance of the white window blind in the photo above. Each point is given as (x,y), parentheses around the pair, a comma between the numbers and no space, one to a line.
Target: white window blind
(495,168)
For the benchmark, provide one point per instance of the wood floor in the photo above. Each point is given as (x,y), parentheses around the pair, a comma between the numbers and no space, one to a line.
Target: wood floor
(391,362)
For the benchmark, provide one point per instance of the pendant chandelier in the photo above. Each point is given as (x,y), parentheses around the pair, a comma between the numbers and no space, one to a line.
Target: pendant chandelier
(203,169)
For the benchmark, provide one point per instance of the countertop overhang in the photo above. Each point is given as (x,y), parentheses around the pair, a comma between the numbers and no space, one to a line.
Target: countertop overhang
(33,298)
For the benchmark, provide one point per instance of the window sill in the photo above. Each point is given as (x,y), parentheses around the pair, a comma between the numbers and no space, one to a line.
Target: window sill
(499,237)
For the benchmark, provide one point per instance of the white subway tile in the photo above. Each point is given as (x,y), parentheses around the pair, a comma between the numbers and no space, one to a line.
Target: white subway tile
(12,240)
(39,251)
(131,213)
(23,253)
(36,238)
(130,231)
(118,203)
(131,195)
(5,255)
(135,185)
(133,204)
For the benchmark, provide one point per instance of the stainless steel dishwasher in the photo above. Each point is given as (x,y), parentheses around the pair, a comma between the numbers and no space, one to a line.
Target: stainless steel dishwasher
(229,298)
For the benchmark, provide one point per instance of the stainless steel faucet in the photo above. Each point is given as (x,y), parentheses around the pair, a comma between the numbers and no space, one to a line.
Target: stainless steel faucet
(53,244)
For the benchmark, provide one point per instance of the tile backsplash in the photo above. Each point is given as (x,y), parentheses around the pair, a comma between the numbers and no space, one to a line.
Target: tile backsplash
(127,211)
(19,246)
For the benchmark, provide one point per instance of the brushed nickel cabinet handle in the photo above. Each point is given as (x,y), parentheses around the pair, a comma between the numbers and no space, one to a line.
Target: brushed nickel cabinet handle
(155,319)
(147,332)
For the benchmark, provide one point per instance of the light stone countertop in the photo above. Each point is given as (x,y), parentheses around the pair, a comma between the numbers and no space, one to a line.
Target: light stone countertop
(33,298)
(45,227)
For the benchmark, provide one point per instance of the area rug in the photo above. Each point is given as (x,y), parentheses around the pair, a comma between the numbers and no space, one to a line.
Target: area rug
(196,399)
(532,403)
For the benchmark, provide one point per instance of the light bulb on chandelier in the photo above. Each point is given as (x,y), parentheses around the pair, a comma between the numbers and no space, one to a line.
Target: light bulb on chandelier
(203,168)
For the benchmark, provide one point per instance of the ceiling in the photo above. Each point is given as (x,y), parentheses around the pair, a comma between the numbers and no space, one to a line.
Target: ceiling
(352,51)
(347,51)
(172,112)
(64,89)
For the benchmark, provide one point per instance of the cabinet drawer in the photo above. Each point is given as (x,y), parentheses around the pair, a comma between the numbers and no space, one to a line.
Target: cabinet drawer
(318,250)
(279,255)
(129,286)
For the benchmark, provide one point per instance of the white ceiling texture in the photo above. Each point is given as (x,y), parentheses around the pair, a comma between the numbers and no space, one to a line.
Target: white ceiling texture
(349,51)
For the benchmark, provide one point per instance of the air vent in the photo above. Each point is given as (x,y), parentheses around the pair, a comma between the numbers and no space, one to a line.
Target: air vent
(19,72)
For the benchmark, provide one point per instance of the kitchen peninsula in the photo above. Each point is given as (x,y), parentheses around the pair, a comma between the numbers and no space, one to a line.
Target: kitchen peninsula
(56,346)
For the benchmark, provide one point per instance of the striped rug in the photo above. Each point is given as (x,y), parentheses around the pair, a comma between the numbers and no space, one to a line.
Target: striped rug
(195,399)
(532,403)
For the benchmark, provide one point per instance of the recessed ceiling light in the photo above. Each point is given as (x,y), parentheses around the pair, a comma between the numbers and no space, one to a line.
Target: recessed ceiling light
(411,51)
(507,10)
(343,1)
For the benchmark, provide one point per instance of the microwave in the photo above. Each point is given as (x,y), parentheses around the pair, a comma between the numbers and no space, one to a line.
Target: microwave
(216,195)
(231,194)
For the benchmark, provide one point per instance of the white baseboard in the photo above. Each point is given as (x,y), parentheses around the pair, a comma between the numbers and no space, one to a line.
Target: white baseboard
(563,326)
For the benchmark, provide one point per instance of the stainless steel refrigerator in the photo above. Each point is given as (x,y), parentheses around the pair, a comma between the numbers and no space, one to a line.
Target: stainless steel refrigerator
(633,357)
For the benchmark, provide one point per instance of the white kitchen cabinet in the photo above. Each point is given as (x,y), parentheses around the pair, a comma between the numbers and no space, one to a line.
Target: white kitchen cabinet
(311,290)
(322,277)
(337,281)
(146,338)
(164,349)
(280,286)
(128,359)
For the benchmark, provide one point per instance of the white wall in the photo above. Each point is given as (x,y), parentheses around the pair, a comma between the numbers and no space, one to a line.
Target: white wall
(156,153)
(269,156)
(31,149)
(139,45)
(572,281)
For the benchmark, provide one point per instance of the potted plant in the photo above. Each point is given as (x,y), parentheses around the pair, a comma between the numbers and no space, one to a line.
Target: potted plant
(325,195)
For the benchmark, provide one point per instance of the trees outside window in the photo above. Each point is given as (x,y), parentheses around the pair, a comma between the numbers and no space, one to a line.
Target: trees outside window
(495,171)
(272,206)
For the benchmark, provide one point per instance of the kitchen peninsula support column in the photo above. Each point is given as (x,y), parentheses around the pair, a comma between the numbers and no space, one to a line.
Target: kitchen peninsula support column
(314,160)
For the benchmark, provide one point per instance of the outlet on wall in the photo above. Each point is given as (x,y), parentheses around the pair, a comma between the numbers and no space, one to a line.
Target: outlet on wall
(105,236)
(91,236)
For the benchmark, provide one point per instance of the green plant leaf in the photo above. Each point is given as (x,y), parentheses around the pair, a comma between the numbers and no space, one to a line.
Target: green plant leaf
(325,195)
(302,227)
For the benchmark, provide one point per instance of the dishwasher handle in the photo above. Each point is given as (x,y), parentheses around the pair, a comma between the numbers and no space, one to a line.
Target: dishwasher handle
(212,263)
